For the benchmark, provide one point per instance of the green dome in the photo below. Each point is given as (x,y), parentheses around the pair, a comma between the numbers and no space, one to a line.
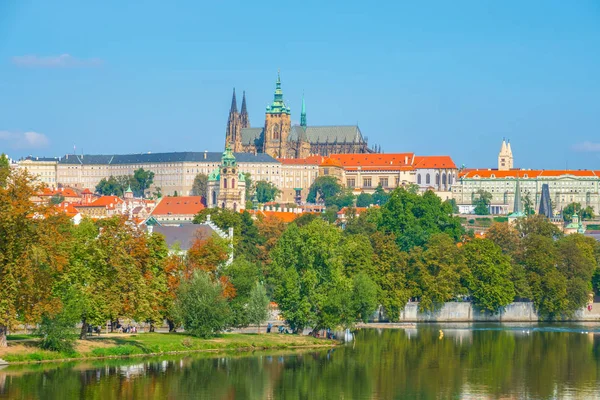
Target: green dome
(214,175)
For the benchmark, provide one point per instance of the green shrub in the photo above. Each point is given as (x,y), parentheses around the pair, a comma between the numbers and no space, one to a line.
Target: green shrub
(500,219)
(201,306)
(471,221)
(57,333)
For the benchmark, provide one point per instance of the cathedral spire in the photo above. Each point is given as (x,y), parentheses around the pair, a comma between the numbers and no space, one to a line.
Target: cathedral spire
(278,106)
(233,103)
(303,114)
(244,119)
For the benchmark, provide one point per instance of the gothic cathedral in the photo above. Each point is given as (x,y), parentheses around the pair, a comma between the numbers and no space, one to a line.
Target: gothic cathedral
(280,139)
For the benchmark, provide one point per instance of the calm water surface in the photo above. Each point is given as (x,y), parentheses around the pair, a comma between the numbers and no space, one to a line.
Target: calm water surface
(468,362)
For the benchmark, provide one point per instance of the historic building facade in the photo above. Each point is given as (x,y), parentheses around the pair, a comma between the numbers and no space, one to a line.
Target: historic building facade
(227,184)
(563,186)
(174,173)
(280,139)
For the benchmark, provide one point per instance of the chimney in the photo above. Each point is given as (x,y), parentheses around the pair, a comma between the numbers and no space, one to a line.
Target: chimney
(405,159)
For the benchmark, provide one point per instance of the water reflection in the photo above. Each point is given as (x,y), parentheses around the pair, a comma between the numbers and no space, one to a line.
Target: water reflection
(467,362)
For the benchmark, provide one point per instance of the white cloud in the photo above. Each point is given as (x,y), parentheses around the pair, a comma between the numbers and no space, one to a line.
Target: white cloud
(27,140)
(60,61)
(587,146)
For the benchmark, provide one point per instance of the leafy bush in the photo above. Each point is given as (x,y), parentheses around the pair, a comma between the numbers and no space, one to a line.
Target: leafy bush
(57,333)
(201,306)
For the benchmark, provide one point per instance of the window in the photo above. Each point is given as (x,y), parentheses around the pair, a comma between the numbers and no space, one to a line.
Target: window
(350,182)
(419,179)
(383,182)
(427,179)
(367,182)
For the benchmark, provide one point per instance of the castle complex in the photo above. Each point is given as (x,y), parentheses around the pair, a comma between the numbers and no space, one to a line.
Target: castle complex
(280,139)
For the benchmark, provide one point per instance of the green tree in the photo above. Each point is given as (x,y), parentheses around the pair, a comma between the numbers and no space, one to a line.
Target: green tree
(57,199)
(537,225)
(528,205)
(364,296)
(32,252)
(390,268)
(223,218)
(266,191)
(331,214)
(4,169)
(452,203)
(243,275)
(488,275)
(309,282)
(142,180)
(578,263)
(323,188)
(482,202)
(258,305)
(364,200)
(413,218)
(435,273)
(250,187)
(200,185)
(584,213)
(201,306)
(380,196)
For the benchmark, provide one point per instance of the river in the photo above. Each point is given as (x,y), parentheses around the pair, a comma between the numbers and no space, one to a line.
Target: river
(465,362)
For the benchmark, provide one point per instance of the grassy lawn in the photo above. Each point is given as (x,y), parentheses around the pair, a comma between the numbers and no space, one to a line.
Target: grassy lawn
(118,345)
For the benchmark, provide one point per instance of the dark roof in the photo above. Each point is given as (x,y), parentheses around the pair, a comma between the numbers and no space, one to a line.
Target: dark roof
(184,235)
(314,134)
(144,158)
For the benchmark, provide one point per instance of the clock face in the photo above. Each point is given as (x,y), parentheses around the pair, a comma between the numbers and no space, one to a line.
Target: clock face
(224,170)
(233,171)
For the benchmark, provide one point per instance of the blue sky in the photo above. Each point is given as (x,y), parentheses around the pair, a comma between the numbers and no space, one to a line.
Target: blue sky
(433,77)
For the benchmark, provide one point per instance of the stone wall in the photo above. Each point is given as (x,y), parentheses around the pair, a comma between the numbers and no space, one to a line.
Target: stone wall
(465,312)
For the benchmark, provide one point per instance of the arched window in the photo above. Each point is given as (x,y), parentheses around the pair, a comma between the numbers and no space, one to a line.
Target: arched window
(419,179)
(232,183)
(437,178)
(223,206)
(225,183)
(443,179)
(427,179)
(214,198)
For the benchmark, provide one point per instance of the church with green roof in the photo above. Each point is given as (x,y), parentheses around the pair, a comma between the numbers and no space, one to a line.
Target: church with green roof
(280,139)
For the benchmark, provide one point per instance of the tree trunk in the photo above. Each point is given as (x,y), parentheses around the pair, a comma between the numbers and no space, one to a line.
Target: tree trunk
(84,329)
(151,327)
(3,342)
(113,324)
(171,325)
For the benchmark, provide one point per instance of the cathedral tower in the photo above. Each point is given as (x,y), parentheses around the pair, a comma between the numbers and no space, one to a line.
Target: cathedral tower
(505,157)
(277,125)
(233,136)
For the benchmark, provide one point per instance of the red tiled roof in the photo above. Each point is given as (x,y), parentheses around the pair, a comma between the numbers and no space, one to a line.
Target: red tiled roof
(280,215)
(434,162)
(524,173)
(375,160)
(331,162)
(184,205)
(358,210)
(68,208)
(86,191)
(65,192)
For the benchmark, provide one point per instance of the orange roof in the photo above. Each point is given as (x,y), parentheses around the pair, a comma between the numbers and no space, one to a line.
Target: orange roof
(109,202)
(184,205)
(331,162)
(312,160)
(524,173)
(358,210)
(65,192)
(376,159)
(86,191)
(68,208)
(434,162)
(280,215)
